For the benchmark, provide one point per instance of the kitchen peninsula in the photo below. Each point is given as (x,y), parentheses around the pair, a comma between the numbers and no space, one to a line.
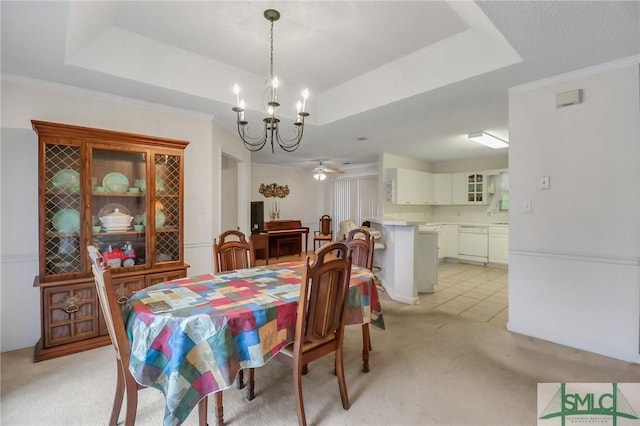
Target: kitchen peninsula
(409,261)
(413,249)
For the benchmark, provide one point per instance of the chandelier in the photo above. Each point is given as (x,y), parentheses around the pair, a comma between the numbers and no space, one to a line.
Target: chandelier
(271,131)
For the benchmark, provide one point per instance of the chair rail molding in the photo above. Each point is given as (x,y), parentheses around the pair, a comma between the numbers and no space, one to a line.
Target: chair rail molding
(580,257)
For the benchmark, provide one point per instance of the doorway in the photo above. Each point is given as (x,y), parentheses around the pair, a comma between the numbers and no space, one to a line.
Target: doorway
(229,194)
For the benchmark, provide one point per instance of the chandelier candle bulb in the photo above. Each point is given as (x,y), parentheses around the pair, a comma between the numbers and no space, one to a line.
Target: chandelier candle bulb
(236,90)
(274,90)
(305,95)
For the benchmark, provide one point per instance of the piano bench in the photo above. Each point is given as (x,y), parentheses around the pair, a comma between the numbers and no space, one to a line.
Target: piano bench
(288,241)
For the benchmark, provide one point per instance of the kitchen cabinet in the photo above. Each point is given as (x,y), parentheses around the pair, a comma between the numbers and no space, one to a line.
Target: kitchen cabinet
(410,187)
(426,261)
(426,188)
(442,188)
(499,244)
(458,188)
(442,240)
(122,193)
(476,188)
(469,188)
(451,232)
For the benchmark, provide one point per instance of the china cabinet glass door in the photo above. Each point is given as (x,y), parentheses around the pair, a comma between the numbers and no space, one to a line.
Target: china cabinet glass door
(166,185)
(119,206)
(62,202)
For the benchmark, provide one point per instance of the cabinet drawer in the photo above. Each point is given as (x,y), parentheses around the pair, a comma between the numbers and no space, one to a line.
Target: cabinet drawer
(152,279)
(125,287)
(71,313)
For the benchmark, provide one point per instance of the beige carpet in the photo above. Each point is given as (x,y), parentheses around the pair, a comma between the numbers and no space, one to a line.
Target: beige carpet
(428,368)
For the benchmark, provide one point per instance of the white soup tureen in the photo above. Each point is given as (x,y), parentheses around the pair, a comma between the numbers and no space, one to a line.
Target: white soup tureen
(116,220)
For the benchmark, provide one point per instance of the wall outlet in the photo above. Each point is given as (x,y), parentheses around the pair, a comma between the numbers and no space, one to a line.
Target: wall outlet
(544,182)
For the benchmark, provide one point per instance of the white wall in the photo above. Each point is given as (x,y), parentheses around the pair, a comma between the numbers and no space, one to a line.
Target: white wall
(308,198)
(24,100)
(229,193)
(574,275)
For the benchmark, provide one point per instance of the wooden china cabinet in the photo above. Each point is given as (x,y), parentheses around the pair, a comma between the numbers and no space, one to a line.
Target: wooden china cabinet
(85,175)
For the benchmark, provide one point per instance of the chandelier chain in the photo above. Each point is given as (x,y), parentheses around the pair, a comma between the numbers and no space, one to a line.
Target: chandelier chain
(271,53)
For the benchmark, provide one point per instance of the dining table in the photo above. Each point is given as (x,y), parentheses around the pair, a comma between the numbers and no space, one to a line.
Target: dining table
(191,336)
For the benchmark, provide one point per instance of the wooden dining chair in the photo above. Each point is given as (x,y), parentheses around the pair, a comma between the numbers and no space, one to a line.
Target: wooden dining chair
(320,319)
(118,333)
(324,232)
(231,253)
(362,248)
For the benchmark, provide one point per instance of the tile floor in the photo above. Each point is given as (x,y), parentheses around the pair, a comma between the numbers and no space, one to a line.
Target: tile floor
(471,291)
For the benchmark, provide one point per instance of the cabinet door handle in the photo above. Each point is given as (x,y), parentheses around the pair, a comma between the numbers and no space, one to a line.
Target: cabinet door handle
(71,305)
(122,295)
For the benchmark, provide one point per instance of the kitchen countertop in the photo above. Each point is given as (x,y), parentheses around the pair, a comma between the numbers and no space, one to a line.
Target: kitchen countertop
(395,221)
(465,224)
(409,222)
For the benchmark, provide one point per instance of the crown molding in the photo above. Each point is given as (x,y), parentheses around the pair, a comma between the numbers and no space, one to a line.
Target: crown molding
(573,75)
(43,84)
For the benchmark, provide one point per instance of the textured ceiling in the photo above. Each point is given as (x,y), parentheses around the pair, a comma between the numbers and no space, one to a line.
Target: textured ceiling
(413,78)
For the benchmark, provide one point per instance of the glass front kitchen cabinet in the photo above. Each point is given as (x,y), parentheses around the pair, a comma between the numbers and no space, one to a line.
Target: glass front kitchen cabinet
(118,191)
(476,190)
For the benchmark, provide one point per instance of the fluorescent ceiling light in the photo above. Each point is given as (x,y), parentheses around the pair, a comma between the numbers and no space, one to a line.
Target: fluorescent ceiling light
(488,140)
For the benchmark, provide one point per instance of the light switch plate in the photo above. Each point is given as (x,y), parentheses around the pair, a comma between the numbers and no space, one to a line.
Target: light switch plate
(527,206)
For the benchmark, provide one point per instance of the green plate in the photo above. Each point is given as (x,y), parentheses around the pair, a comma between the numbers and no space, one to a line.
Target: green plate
(114,178)
(159,185)
(160,218)
(67,180)
(66,220)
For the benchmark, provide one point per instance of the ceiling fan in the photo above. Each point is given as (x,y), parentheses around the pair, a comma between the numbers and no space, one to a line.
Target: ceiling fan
(320,172)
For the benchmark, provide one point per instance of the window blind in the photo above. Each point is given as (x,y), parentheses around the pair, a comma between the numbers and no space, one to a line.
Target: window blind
(355,199)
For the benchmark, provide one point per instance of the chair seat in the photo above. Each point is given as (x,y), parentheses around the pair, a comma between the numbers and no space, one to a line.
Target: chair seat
(323,237)
(288,350)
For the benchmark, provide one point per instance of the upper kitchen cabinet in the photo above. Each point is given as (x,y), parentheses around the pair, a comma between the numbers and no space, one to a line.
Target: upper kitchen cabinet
(410,187)
(123,194)
(469,188)
(442,188)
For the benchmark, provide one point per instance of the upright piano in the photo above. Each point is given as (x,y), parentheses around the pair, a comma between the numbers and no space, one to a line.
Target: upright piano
(281,237)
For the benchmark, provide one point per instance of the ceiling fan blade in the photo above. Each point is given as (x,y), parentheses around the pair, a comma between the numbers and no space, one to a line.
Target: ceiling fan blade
(332,170)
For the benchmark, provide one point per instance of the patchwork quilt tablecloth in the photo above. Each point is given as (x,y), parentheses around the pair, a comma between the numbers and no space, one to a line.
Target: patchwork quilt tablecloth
(190,337)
